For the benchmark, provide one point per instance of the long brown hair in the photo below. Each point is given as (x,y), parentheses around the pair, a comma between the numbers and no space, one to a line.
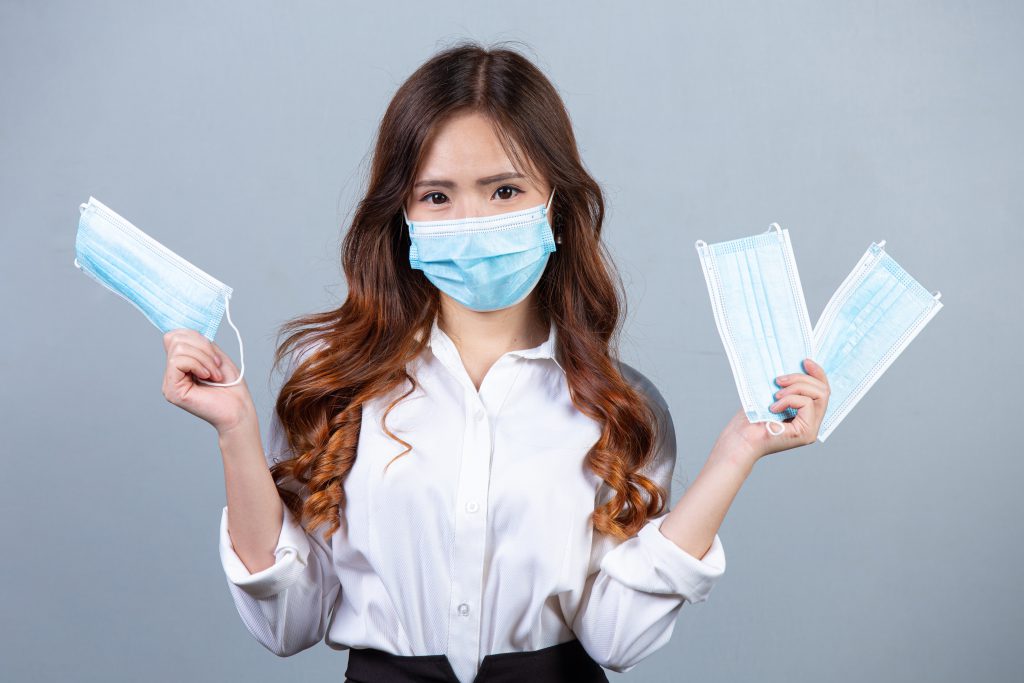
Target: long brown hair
(361,350)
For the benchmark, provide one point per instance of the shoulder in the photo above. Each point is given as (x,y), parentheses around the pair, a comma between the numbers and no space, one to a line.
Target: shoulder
(643,384)
(662,465)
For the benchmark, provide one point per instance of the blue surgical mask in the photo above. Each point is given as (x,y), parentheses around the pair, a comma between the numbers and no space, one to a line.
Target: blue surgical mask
(867,323)
(761,315)
(485,263)
(171,292)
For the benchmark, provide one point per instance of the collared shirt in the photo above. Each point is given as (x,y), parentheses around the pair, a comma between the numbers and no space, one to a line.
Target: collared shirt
(479,540)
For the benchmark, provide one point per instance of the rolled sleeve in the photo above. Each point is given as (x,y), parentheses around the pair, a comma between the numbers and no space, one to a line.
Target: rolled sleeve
(653,563)
(291,553)
(635,588)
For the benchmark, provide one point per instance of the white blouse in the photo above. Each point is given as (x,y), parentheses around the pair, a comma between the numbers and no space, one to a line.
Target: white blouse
(478,540)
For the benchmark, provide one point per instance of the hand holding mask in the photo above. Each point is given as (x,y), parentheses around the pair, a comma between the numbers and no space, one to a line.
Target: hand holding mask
(171,292)
(762,319)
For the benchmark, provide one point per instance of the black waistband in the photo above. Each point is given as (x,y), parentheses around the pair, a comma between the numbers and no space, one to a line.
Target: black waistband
(562,663)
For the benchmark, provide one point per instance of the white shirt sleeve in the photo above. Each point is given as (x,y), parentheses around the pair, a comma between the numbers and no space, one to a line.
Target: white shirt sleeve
(631,603)
(286,606)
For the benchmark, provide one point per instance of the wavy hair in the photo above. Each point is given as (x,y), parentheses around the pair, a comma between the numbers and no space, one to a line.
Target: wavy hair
(361,350)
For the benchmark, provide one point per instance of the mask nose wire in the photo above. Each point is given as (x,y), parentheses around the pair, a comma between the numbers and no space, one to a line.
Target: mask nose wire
(241,351)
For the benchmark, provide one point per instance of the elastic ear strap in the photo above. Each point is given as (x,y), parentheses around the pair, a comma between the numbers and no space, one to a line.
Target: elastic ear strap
(547,207)
(767,425)
(241,352)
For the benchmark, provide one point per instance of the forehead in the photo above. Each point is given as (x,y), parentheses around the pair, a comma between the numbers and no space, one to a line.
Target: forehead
(465,145)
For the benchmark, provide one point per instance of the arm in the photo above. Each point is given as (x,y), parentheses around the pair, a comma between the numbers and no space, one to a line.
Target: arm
(632,598)
(699,513)
(281,578)
(694,521)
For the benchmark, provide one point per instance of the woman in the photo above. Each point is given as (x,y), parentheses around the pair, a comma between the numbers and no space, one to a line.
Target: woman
(463,481)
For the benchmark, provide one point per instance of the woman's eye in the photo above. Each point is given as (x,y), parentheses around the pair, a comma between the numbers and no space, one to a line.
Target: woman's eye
(434,198)
(506,192)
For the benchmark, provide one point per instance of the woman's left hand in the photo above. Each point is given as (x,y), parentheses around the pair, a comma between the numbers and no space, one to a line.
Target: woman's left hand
(808,392)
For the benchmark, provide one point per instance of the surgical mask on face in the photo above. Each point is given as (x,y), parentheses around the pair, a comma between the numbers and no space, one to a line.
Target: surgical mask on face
(870,319)
(171,292)
(486,263)
(761,316)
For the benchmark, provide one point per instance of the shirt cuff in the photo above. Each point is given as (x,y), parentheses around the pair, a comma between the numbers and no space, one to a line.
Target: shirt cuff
(653,563)
(291,553)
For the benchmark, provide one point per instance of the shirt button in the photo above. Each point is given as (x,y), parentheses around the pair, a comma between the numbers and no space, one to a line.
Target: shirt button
(463,609)
(472,506)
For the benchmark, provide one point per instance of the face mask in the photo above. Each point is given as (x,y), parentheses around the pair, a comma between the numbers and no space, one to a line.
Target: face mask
(761,316)
(869,320)
(876,312)
(484,262)
(171,292)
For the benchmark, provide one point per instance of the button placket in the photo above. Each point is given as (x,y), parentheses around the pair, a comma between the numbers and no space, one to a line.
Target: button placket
(470,531)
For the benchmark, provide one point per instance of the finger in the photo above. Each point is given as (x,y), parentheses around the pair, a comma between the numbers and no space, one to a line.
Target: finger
(224,360)
(784,380)
(798,401)
(170,337)
(815,371)
(214,351)
(186,362)
(802,427)
(813,388)
(205,353)
(180,333)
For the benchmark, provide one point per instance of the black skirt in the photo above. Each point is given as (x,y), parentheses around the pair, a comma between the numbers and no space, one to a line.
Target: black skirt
(566,662)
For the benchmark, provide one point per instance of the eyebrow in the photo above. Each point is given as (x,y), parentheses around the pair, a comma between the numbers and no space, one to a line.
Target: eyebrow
(482,181)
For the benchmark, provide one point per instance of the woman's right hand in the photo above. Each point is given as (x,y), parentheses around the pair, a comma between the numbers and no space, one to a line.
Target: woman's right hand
(191,355)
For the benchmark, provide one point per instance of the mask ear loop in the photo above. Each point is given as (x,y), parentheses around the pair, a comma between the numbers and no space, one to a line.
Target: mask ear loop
(241,352)
(767,425)
(547,207)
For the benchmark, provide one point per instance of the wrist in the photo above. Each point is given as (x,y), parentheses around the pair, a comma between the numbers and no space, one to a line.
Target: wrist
(245,428)
(734,454)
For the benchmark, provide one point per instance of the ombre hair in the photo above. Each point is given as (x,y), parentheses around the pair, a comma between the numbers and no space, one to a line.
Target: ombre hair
(361,350)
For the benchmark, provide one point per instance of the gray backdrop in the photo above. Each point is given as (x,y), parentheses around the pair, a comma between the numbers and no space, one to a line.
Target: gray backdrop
(238,133)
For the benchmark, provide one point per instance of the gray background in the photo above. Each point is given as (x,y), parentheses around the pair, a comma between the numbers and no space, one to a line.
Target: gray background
(238,133)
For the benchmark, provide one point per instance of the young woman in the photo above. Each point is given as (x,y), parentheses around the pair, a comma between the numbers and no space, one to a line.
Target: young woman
(463,481)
